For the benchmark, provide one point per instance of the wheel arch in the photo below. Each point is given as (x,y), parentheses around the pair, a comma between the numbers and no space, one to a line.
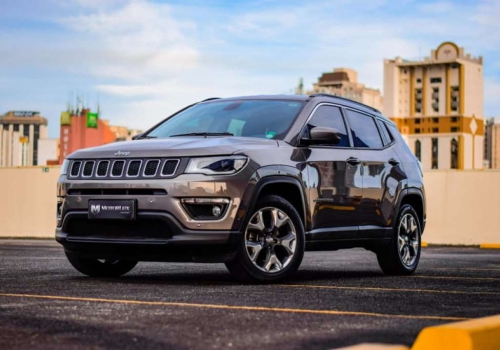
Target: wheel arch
(415,198)
(284,186)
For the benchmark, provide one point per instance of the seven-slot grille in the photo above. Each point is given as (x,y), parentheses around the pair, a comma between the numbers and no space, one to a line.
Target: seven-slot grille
(121,168)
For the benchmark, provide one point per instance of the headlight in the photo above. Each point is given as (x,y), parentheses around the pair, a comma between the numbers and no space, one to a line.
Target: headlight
(224,165)
(64,167)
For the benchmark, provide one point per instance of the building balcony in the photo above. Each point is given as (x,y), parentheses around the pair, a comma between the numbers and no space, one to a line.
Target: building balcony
(435,95)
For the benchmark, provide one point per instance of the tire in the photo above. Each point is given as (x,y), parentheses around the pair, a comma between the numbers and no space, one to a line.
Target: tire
(100,268)
(402,256)
(272,245)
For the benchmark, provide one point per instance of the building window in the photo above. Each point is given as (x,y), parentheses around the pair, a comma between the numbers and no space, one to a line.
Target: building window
(435,151)
(418,150)
(418,100)
(454,154)
(435,120)
(435,130)
(419,80)
(417,131)
(417,121)
(454,119)
(454,129)
(455,91)
(435,80)
(435,99)
(16,127)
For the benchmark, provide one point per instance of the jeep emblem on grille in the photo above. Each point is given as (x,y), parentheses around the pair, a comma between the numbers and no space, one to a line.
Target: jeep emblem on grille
(122,154)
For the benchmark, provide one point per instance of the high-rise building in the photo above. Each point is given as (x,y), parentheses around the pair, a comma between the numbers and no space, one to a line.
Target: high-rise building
(123,133)
(492,144)
(82,129)
(343,82)
(19,135)
(437,104)
(48,152)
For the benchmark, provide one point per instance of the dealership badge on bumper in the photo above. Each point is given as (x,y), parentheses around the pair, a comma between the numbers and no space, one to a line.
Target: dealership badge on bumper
(121,209)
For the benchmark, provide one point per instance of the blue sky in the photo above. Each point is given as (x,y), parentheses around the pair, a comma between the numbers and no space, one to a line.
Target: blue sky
(142,60)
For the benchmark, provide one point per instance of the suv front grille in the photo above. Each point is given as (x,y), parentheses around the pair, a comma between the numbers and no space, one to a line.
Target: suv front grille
(75,168)
(123,168)
(169,167)
(118,166)
(88,168)
(133,168)
(102,168)
(151,167)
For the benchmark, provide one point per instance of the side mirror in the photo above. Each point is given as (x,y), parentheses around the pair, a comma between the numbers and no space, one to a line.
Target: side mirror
(319,135)
(138,136)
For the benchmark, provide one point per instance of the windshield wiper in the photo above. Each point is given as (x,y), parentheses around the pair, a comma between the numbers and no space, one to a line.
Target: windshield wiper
(142,137)
(204,134)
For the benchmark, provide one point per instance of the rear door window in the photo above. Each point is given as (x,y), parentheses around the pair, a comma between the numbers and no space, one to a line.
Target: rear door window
(364,130)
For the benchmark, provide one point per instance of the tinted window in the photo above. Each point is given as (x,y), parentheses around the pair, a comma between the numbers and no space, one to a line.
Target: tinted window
(251,118)
(331,117)
(388,139)
(364,130)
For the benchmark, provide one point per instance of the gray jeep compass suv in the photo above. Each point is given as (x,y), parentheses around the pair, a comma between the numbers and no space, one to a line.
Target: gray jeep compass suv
(249,181)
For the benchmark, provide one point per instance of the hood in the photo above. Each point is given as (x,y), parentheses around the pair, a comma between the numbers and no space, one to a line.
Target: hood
(175,147)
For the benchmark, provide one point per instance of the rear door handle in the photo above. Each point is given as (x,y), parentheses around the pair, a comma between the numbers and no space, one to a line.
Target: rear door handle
(353,161)
(393,162)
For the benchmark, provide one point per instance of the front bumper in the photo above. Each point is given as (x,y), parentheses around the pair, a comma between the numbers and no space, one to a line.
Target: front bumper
(163,229)
(153,236)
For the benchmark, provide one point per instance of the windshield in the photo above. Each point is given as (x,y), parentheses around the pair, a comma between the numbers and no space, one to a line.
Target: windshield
(250,118)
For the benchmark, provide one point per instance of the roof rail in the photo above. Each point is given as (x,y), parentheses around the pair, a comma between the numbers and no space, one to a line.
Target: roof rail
(345,99)
(210,99)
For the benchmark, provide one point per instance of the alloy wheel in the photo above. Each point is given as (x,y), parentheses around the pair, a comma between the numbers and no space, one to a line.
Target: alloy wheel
(408,240)
(270,240)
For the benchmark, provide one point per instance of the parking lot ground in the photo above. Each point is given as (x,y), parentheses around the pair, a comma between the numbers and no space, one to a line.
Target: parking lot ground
(336,299)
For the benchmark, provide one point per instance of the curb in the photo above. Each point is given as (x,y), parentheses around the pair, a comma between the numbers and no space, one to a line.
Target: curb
(369,346)
(489,246)
(478,334)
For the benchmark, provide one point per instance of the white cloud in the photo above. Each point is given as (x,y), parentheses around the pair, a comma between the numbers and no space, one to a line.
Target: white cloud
(138,41)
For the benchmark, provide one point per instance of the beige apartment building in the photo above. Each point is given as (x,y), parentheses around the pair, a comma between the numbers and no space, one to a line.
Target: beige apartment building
(19,135)
(437,104)
(492,144)
(343,82)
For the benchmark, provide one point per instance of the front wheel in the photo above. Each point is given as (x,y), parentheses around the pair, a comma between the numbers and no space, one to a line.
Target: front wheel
(100,267)
(401,257)
(273,243)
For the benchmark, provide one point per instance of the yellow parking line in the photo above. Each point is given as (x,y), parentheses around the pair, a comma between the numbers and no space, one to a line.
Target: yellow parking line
(234,307)
(381,289)
(458,278)
(465,269)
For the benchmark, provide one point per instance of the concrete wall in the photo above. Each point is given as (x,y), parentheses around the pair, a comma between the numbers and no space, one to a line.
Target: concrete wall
(28,202)
(463,207)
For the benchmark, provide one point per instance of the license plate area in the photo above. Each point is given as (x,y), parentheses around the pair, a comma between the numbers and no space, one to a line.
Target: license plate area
(112,209)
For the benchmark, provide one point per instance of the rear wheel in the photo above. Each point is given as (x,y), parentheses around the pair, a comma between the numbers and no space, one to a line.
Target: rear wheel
(100,267)
(401,257)
(273,243)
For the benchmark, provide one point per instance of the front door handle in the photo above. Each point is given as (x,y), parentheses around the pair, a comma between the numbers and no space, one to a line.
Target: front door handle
(393,162)
(353,161)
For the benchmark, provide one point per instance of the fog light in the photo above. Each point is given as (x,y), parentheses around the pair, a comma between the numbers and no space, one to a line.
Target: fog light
(205,208)
(216,210)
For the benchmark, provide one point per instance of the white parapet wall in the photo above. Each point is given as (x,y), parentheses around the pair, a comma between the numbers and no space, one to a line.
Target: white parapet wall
(28,201)
(463,207)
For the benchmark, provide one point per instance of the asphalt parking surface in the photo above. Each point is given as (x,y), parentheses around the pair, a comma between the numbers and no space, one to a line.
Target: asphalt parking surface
(336,299)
